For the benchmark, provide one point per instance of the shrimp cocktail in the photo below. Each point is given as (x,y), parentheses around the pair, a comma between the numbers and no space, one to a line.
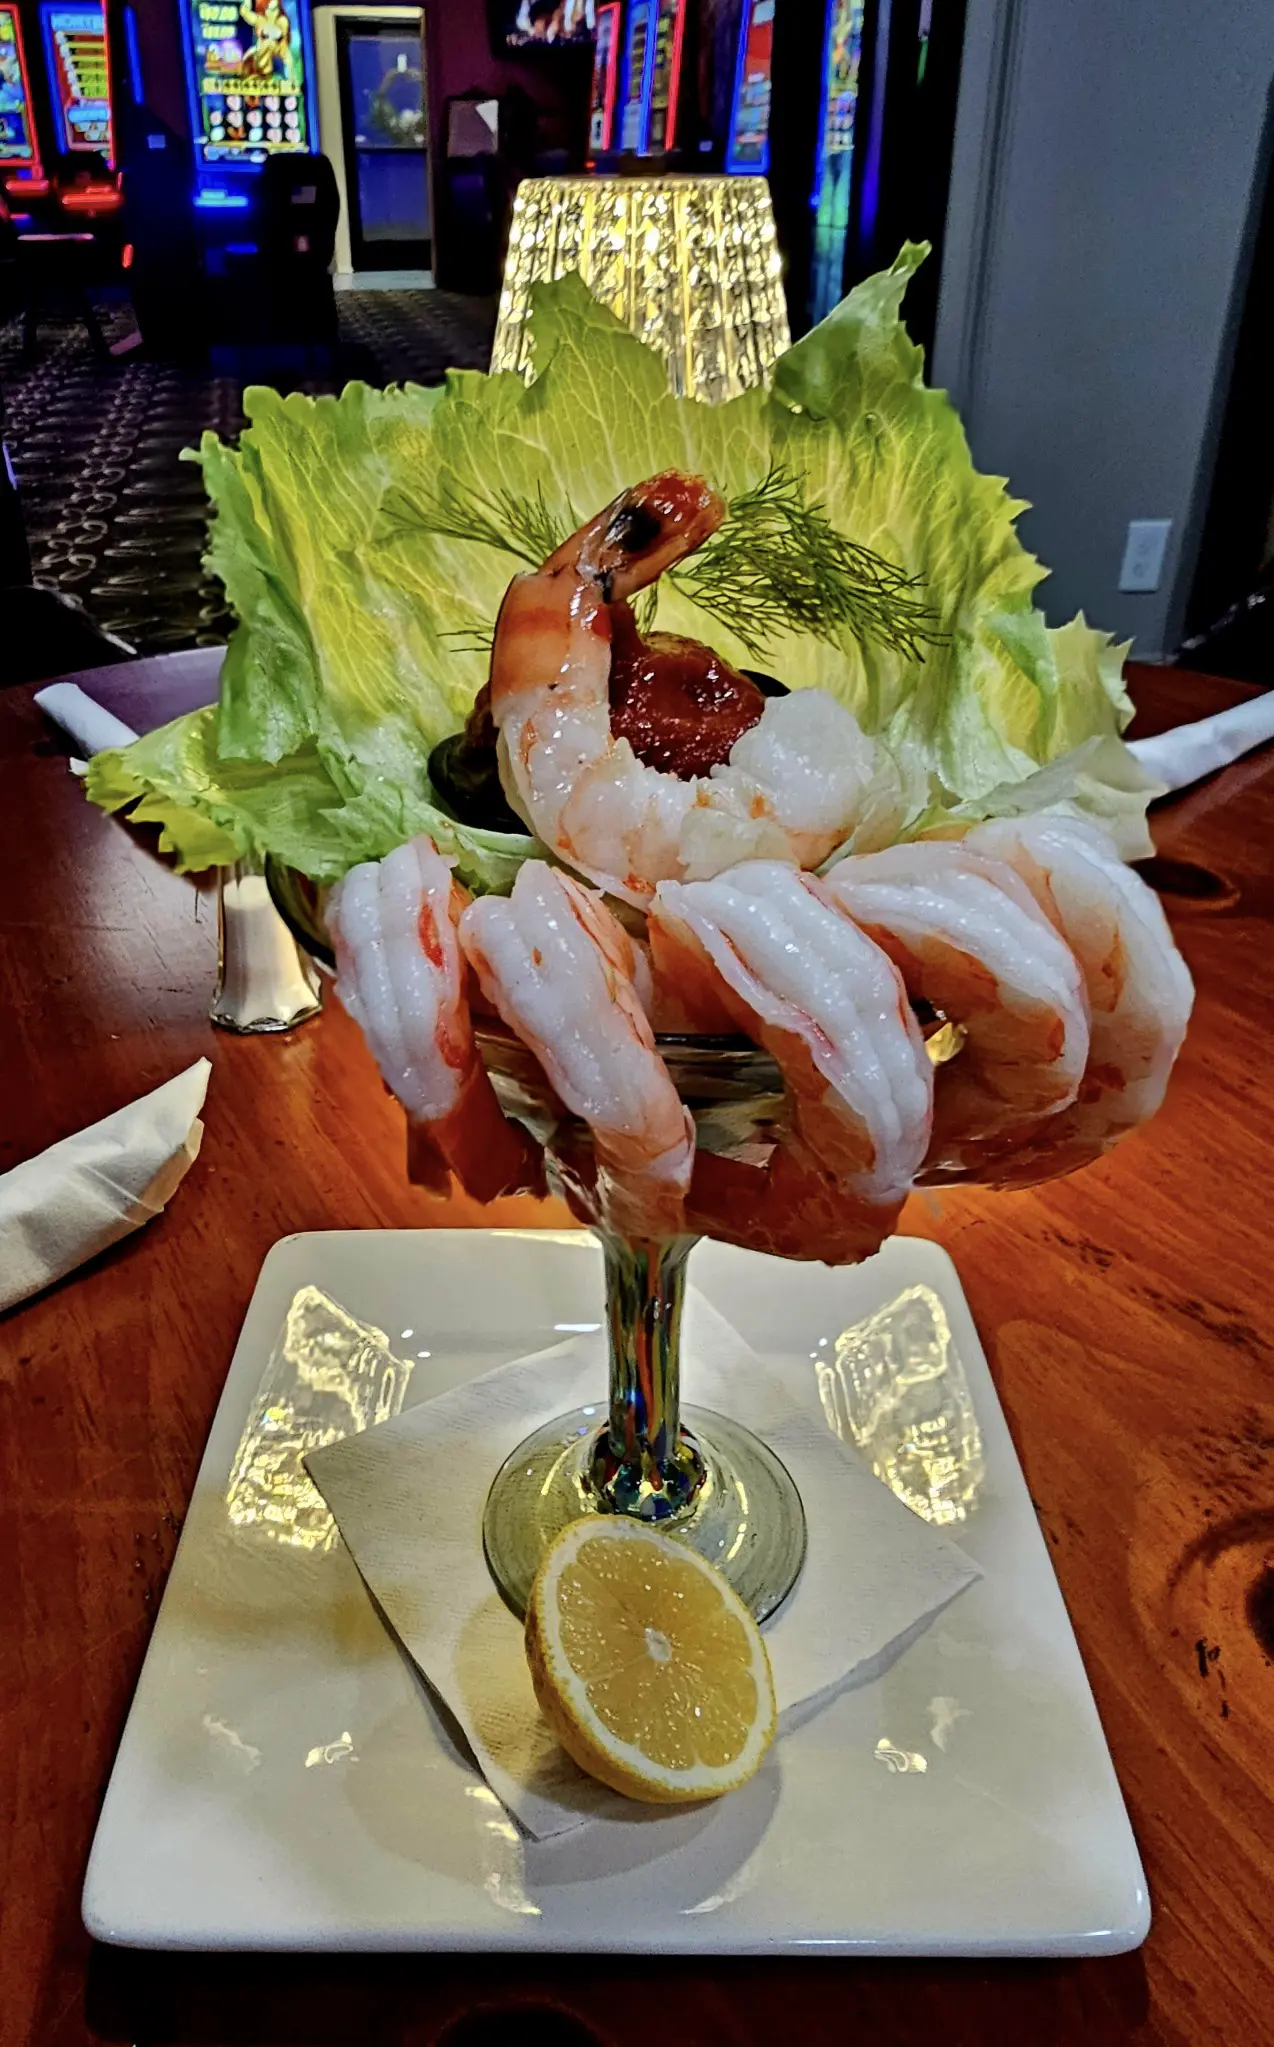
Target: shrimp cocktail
(732,860)
(692,1025)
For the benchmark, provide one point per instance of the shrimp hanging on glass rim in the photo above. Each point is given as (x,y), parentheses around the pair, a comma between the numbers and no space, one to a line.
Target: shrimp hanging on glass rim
(969,940)
(563,974)
(772,948)
(402,977)
(684,905)
(1138,988)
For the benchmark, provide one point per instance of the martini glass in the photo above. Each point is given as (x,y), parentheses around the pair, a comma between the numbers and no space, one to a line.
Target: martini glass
(700,1476)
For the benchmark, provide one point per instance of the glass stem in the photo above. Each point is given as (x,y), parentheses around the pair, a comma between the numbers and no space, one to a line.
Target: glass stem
(642,1464)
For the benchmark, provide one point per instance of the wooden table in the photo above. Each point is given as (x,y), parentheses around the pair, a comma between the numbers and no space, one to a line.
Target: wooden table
(1128,1315)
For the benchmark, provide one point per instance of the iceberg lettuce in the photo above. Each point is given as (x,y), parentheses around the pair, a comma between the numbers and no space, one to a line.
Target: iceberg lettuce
(361,632)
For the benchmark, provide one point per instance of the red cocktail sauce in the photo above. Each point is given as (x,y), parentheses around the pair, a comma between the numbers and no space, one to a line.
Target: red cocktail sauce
(679,705)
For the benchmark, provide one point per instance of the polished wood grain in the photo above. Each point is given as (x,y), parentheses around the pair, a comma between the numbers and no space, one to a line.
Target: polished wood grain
(1128,1315)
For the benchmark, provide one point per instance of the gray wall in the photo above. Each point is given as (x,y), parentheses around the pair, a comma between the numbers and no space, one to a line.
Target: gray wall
(1108,154)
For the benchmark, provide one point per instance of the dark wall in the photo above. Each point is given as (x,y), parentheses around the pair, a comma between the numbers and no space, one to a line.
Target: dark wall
(544,127)
(460,60)
(163,70)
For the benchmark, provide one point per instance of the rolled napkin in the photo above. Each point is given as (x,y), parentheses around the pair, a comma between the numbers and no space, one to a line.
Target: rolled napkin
(77,1197)
(1190,752)
(87,723)
(408,1499)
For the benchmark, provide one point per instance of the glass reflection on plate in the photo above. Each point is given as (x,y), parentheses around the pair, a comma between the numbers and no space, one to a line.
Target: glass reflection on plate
(328,1376)
(895,1388)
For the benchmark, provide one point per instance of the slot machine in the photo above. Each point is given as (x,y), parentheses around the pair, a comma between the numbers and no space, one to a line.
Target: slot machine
(886,129)
(653,44)
(834,151)
(639,54)
(77,66)
(250,74)
(20,168)
(601,117)
(659,126)
(747,149)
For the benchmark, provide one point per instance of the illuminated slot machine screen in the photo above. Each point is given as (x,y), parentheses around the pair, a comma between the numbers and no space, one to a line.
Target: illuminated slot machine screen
(250,68)
(19,152)
(601,119)
(833,166)
(748,148)
(660,127)
(638,60)
(79,77)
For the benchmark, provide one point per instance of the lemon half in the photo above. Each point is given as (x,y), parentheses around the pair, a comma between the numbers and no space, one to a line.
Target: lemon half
(647,1665)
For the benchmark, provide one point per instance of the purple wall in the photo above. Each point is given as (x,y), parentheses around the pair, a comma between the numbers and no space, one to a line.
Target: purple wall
(460,60)
(163,70)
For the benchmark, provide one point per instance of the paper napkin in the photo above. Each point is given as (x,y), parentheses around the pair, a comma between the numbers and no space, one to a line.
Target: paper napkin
(408,1500)
(87,722)
(1187,754)
(91,1189)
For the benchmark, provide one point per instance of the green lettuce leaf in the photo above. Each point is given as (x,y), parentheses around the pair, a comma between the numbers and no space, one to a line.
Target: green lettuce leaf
(361,632)
(214,810)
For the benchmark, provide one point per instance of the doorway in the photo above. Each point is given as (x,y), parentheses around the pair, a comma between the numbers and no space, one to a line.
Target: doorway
(374,124)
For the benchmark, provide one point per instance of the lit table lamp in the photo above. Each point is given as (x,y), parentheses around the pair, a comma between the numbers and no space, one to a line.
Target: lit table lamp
(691,264)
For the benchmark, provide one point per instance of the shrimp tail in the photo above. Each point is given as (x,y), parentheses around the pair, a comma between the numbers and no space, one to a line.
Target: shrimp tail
(489,1153)
(789,1208)
(642,532)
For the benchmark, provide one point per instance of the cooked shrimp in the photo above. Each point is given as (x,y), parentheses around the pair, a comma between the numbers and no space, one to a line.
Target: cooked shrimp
(401,976)
(1139,993)
(969,939)
(794,784)
(563,974)
(775,951)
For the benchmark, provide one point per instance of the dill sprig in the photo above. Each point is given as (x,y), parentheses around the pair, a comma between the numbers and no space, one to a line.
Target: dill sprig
(521,526)
(466,640)
(778,565)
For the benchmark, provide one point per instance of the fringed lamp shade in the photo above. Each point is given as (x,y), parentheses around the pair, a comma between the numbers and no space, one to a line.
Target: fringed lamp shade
(690,264)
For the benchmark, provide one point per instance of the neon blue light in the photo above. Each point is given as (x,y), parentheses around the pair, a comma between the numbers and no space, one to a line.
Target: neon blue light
(648,74)
(136,84)
(876,133)
(217,200)
(642,10)
(834,170)
(820,148)
(242,249)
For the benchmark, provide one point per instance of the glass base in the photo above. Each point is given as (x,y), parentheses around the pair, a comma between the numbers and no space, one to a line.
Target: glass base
(742,1512)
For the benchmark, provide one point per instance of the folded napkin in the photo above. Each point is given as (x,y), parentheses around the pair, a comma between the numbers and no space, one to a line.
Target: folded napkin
(1190,752)
(91,1189)
(408,1500)
(87,723)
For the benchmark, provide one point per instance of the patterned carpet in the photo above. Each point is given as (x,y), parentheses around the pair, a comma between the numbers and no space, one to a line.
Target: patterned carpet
(113,515)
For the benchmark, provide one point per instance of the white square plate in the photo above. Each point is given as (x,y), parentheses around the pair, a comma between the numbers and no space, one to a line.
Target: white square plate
(285,1780)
